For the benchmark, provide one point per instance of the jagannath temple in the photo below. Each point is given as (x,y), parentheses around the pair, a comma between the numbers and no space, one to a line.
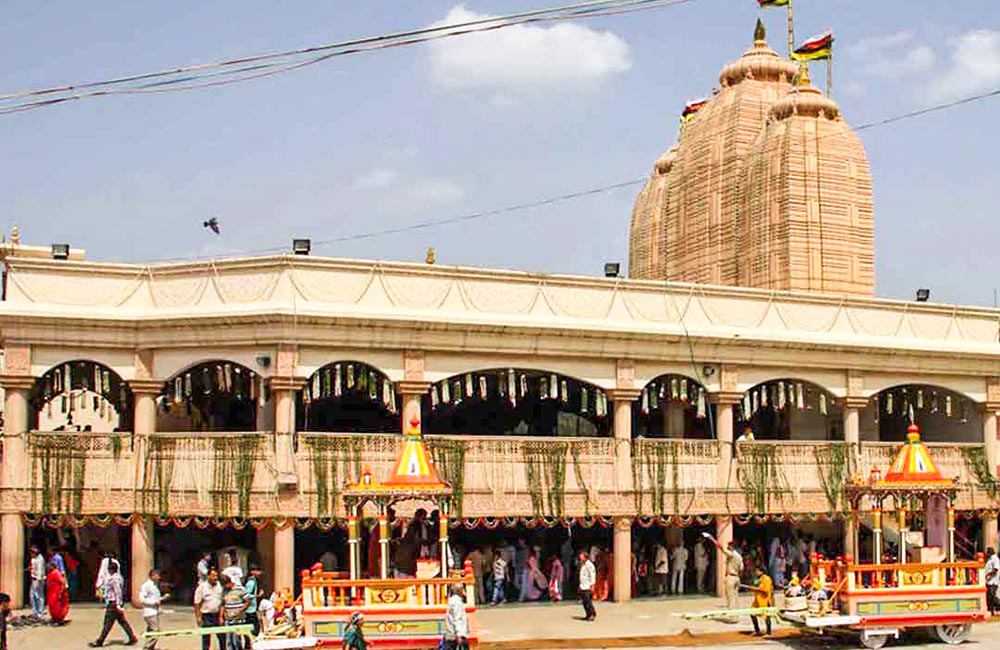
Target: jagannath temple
(730,385)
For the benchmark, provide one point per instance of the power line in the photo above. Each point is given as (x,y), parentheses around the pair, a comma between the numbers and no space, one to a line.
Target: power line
(472,216)
(264,65)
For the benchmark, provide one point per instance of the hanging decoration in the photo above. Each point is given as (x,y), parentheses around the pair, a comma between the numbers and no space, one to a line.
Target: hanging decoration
(59,467)
(68,385)
(673,390)
(515,387)
(761,475)
(355,379)
(835,462)
(233,471)
(158,474)
(545,466)
(978,465)
(448,456)
(911,402)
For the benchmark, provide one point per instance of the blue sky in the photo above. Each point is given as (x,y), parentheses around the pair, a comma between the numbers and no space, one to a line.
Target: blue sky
(385,139)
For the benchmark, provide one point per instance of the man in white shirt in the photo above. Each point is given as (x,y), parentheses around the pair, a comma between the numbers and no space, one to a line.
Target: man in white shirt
(234,571)
(207,607)
(151,598)
(456,621)
(588,576)
(678,562)
(701,561)
(661,569)
(37,593)
(992,579)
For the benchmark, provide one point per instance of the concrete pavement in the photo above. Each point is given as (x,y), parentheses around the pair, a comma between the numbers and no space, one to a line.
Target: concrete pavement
(647,623)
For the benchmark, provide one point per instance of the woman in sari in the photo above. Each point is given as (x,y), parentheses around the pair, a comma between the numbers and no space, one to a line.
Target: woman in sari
(556,575)
(56,595)
(537,582)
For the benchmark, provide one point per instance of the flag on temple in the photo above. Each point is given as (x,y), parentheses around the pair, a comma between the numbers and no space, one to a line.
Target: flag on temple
(772,3)
(692,107)
(817,47)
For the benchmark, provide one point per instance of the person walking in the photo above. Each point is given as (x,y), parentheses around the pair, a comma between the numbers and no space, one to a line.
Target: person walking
(701,559)
(234,607)
(207,605)
(254,593)
(763,597)
(733,568)
(556,578)
(114,612)
(588,577)
(354,636)
(661,569)
(36,594)
(456,621)
(150,598)
(992,579)
(499,577)
(678,564)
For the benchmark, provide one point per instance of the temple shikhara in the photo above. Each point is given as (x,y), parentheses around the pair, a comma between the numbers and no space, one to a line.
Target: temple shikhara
(376,422)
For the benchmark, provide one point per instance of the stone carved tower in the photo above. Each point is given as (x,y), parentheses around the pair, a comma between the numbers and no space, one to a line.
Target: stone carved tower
(699,219)
(807,216)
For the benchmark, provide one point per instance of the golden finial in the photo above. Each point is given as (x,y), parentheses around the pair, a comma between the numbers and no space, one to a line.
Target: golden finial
(430,259)
(759,33)
(803,80)
(15,235)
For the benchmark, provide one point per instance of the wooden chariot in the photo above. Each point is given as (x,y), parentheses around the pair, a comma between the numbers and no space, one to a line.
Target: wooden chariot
(925,586)
(403,612)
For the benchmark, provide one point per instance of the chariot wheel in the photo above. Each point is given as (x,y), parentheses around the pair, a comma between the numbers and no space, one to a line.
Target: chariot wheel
(953,634)
(873,641)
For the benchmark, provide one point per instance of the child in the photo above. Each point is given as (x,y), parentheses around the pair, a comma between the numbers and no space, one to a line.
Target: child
(4,613)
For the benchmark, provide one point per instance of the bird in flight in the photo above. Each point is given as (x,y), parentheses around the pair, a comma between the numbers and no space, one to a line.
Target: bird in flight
(212,224)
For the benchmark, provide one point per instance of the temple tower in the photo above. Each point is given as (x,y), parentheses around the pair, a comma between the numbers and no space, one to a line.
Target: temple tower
(807,215)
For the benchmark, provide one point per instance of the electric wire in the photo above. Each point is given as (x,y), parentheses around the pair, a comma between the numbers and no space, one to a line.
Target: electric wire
(276,66)
(483,214)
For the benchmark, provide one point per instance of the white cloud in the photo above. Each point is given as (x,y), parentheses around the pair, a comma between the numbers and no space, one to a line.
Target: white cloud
(892,55)
(375,179)
(525,58)
(974,66)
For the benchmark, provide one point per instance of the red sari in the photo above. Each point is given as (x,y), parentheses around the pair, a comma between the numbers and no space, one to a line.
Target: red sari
(57,595)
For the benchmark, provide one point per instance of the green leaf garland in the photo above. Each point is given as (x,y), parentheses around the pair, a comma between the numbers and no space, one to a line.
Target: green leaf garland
(979,466)
(545,466)
(760,475)
(836,464)
(448,455)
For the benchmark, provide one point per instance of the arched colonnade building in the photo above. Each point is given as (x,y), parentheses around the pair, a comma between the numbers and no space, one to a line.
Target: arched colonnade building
(238,396)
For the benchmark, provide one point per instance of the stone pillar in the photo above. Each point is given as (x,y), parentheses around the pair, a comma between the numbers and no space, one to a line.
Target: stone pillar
(144,412)
(622,400)
(411,396)
(724,402)
(284,557)
(13,475)
(989,414)
(723,533)
(622,550)
(12,560)
(852,407)
(283,390)
(142,559)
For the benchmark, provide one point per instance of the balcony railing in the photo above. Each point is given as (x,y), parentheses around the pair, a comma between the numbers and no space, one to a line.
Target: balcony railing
(241,474)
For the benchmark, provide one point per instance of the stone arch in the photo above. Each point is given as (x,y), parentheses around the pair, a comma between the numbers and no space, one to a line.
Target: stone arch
(81,394)
(673,406)
(516,401)
(211,395)
(943,414)
(789,408)
(348,396)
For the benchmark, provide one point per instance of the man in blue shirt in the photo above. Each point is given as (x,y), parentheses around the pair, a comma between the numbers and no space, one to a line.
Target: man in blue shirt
(254,592)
